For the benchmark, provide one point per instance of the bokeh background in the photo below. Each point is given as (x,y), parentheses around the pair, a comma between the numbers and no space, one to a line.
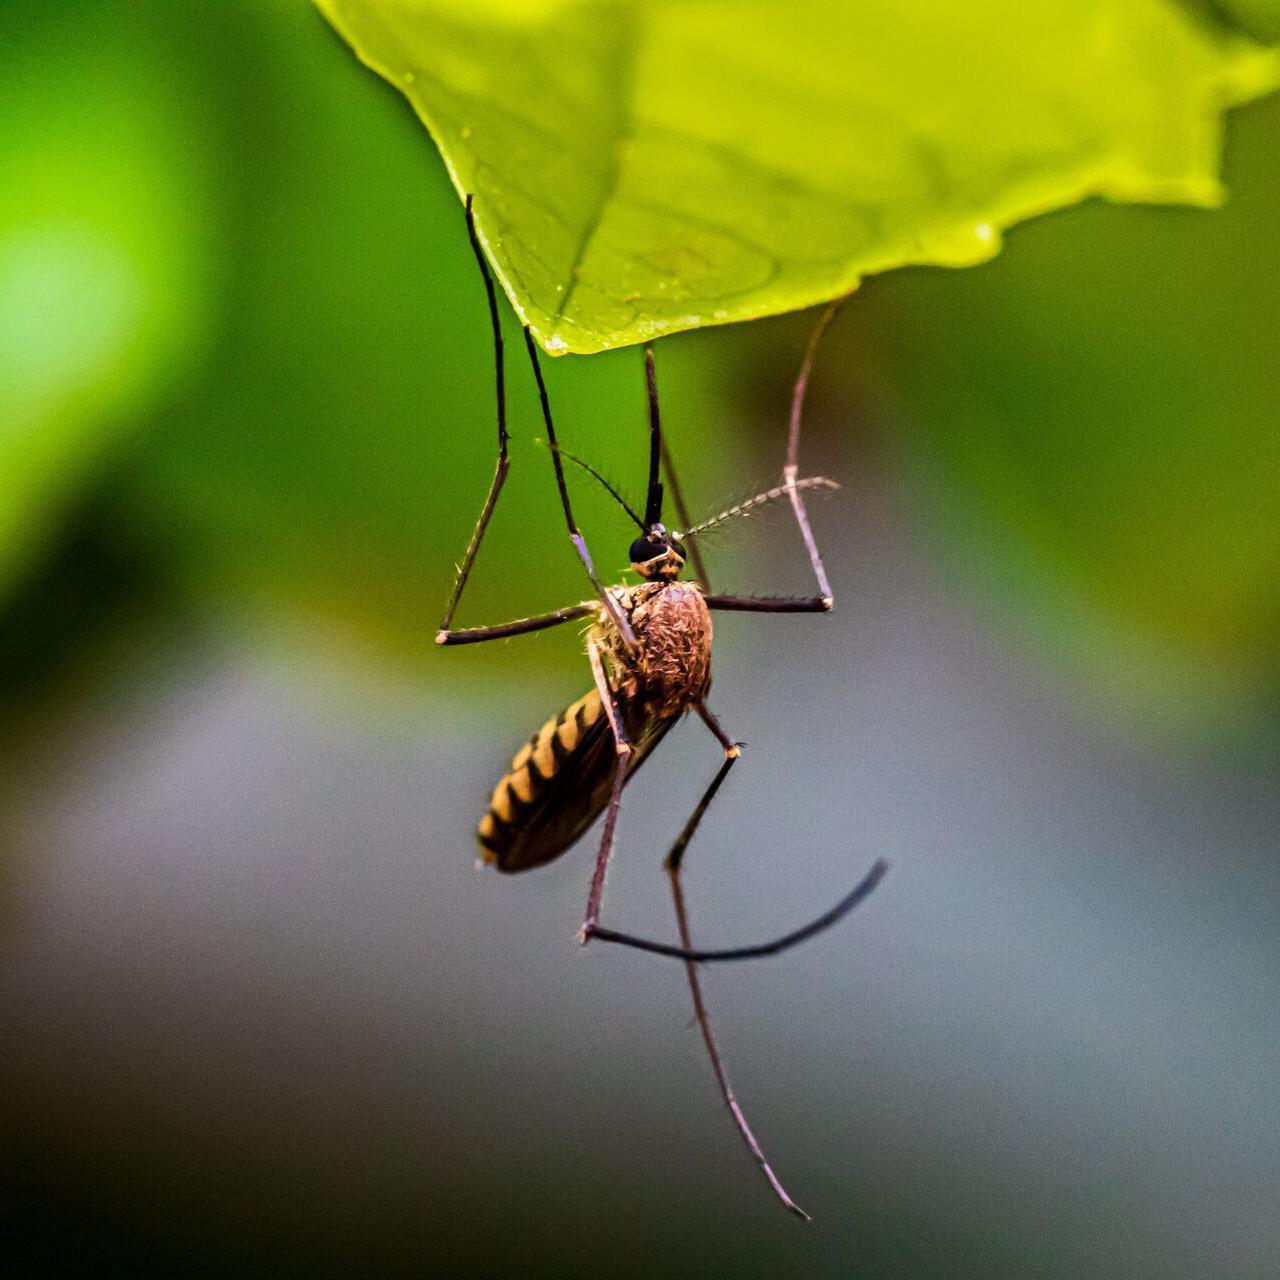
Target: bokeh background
(263,1016)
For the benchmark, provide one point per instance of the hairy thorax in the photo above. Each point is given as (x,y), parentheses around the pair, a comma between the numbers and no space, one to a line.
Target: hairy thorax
(670,668)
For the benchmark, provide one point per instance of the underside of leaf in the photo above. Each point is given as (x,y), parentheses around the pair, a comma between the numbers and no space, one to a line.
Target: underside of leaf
(643,168)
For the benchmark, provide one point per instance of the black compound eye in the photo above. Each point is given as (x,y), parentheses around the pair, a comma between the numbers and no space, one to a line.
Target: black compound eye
(680,551)
(645,548)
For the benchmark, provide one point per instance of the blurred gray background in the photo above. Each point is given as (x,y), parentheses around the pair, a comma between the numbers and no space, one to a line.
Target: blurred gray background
(262,1013)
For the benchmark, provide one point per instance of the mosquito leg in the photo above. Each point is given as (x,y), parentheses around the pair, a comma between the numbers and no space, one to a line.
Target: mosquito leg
(504,463)
(794,488)
(791,471)
(623,749)
(860,891)
(686,951)
(771,604)
(731,748)
(615,612)
(521,626)
(677,494)
(732,751)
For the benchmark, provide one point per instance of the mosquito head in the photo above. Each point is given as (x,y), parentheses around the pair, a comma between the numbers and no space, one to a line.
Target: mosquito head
(658,556)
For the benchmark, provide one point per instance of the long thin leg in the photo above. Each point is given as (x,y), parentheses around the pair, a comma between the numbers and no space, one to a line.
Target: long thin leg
(504,463)
(623,749)
(674,860)
(788,940)
(677,494)
(593,929)
(619,618)
(791,471)
(771,604)
(521,626)
(794,486)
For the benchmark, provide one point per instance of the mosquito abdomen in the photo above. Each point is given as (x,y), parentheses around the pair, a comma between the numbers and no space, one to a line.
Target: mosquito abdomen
(532,770)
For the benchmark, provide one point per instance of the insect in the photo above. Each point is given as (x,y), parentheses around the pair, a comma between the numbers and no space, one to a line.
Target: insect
(649,647)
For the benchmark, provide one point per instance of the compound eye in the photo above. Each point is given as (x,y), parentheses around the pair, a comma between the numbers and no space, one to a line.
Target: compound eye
(680,550)
(643,549)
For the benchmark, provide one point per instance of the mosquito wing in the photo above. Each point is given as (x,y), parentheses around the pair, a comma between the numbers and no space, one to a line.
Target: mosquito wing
(558,784)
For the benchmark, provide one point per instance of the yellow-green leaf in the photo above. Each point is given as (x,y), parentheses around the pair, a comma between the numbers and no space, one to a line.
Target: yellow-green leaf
(641,168)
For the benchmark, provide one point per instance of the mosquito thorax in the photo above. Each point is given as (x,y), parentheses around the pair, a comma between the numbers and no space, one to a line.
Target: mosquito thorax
(657,556)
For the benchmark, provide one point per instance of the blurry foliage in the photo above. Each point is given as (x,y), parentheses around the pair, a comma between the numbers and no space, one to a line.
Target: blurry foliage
(641,168)
(1261,18)
(107,221)
(246,369)
(329,450)
(1095,420)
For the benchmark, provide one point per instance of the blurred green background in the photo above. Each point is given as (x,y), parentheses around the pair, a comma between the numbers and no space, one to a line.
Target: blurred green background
(264,1018)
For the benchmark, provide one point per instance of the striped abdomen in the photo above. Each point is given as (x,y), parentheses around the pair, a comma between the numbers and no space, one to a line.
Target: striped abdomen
(558,784)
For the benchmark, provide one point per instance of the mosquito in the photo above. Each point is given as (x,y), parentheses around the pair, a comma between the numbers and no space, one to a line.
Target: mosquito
(649,647)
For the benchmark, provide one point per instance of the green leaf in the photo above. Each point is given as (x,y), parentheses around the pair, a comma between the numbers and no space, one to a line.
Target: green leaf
(642,168)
